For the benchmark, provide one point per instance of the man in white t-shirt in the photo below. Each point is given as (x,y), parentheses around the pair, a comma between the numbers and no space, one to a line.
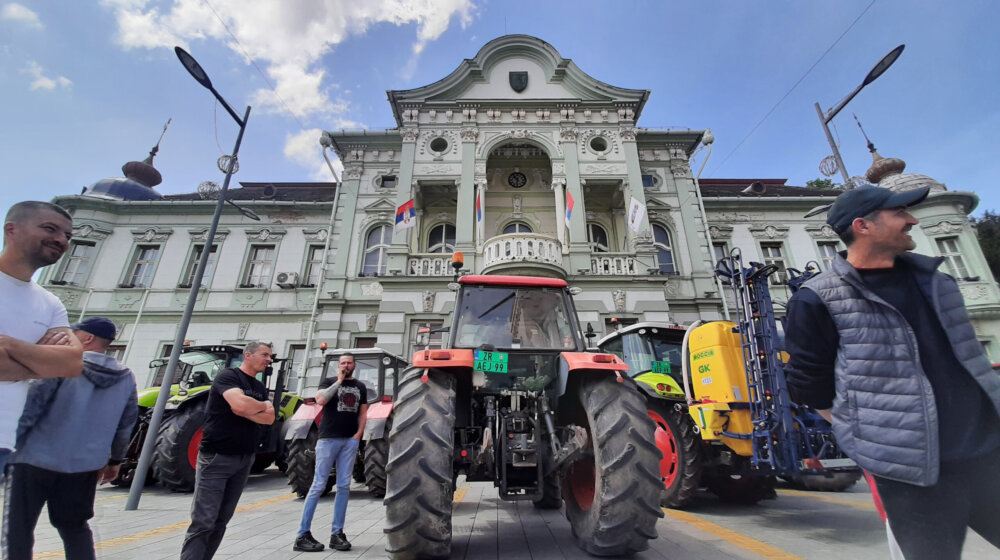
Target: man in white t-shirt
(35,338)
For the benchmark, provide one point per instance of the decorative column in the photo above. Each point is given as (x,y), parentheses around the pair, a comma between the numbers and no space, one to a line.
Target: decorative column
(345,245)
(465,219)
(399,250)
(632,188)
(559,188)
(481,187)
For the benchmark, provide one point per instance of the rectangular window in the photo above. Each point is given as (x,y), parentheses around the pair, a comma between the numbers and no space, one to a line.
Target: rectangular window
(314,266)
(260,263)
(296,363)
(429,340)
(773,254)
(614,323)
(77,263)
(143,264)
(192,266)
(365,341)
(388,182)
(649,180)
(948,248)
(720,251)
(827,253)
(116,351)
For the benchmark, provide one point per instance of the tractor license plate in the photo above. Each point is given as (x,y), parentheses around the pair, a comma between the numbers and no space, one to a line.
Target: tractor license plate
(661,367)
(490,362)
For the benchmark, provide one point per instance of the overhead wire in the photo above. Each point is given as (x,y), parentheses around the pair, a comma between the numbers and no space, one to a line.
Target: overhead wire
(795,85)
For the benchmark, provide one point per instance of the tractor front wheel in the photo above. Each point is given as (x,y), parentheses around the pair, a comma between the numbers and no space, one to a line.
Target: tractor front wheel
(301,464)
(376,456)
(681,465)
(419,484)
(612,494)
(175,459)
(837,482)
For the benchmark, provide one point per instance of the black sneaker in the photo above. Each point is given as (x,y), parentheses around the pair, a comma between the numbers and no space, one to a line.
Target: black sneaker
(338,541)
(306,543)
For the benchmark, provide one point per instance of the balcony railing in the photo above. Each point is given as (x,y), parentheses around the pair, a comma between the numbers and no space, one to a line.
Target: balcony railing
(428,264)
(613,264)
(522,248)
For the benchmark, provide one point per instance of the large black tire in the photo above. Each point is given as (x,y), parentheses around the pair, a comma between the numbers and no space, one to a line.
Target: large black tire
(175,458)
(838,482)
(746,489)
(376,457)
(612,496)
(359,464)
(301,464)
(681,465)
(419,484)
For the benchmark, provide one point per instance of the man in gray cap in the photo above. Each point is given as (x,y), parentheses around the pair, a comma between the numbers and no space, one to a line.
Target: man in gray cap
(882,346)
(72,436)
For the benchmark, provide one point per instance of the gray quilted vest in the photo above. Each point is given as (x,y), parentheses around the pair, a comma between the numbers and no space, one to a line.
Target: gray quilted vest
(884,413)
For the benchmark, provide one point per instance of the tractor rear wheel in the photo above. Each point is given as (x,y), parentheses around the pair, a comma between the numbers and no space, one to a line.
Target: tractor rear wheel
(681,465)
(741,489)
(175,459)
(376,456)
(612,494)
(419,487)
(301,464)
(838,482)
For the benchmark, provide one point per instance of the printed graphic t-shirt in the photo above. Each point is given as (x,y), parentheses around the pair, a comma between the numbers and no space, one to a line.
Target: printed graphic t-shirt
(225,431)
(341,414)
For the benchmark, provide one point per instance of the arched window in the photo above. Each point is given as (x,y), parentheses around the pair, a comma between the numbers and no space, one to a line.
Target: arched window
(517,227)
(441,239)
(376,248)
(664,251)
(597,237)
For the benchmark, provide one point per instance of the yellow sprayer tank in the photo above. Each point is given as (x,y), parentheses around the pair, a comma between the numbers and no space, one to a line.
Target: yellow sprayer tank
(719,381)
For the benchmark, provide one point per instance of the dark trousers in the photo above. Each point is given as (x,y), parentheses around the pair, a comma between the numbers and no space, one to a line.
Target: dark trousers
(70,497)
(930,522)
(219,481)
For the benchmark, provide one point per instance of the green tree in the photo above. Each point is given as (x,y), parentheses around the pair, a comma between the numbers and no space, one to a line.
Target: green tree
(988,231)
(821,184)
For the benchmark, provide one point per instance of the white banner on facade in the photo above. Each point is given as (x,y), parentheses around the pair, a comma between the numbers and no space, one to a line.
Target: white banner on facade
(636,212)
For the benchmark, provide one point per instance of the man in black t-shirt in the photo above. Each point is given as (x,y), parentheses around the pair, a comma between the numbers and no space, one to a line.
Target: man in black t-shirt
(237,406)
(882,346)
(345,404)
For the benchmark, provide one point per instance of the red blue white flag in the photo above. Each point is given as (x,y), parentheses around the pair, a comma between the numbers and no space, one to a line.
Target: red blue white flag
(479,208)
(569,207)
(406,216)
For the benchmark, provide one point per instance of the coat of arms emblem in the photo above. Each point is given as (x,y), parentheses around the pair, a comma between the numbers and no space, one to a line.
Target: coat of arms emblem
(518,81)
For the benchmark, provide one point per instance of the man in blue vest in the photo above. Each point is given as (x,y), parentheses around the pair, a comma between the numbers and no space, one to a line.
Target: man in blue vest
(882,346)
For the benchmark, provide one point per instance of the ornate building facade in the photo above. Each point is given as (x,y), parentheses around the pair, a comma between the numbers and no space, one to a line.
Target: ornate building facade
(519,160)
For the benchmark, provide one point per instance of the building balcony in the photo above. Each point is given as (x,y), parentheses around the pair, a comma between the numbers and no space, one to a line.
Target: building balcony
(429,264)
(528,252)
(614,264)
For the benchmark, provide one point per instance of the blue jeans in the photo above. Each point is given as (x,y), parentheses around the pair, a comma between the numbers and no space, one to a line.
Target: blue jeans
(341,451)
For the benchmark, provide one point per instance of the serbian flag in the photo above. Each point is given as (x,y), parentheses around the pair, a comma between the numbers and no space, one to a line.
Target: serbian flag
(569,207)
(479,209)
(406,216)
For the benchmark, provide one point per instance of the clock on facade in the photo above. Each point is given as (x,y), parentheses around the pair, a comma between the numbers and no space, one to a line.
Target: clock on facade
(517,180)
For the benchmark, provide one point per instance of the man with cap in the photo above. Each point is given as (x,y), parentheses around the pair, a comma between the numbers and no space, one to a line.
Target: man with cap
(882,346)
(72,436)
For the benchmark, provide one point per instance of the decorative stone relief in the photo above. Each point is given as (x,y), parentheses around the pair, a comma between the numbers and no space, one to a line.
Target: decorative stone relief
(943,227)
(973,291)
(481,182)
(91,231)
(680,169)
(669,288)
(409,134)
(241,331)
(152,235)
(739,217)
(469,134)
(439,169)
(249,299)
(265,234)
(543,114)
(568,134)
(469,113)
(720,232)
(516,203)
(448,115)
(352,172)
(768,231)
(603,169)
(69,299)
(428,301)
(410,114)
(200,235)
(619,297)
(126,300)
(627,133)
(821,232)
(373,289)
(480,169)
(315,234)
(558,168)
(558,182)
(370,320)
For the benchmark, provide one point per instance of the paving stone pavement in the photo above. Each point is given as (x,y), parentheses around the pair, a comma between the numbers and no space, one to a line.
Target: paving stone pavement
(797,525)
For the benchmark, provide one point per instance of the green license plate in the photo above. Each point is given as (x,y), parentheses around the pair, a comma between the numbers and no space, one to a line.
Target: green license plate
(493,362)
(661,367)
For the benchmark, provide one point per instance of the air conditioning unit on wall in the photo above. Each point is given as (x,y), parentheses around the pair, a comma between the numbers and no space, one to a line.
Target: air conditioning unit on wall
(287,280)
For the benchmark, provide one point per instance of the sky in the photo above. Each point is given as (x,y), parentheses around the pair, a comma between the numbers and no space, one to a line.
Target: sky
(88,86)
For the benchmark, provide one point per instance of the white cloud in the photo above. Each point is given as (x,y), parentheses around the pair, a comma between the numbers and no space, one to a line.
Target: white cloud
(41,81)
(304,149)
(16,12)
(287,39)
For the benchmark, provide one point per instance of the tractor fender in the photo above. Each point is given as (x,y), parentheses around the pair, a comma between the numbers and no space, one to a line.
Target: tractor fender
(575,363)
(178,402)
(375,421)
(307,416)
(448,358)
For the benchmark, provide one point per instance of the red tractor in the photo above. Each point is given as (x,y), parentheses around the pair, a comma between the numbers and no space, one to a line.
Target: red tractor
(515,399)
(378,370)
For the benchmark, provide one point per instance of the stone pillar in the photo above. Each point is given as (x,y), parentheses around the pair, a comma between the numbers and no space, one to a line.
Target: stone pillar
(578,249)
(465,219)
(399,250)
(559,189)
(346,243)
(632,188)
(481,187)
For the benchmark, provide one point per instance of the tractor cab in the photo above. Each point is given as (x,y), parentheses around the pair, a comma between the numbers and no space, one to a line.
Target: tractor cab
(374,367)
(198,365)
(653,354)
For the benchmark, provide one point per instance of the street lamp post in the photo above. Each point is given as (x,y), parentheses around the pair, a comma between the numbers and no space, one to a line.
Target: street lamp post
(825,118)
(135,491)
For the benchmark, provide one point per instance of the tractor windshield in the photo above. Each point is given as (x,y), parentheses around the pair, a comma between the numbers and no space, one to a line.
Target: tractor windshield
(366,370)
(514,318)
(196,368)
(649,349)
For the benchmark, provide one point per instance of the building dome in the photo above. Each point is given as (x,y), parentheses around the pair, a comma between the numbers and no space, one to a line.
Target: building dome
(888,174)
(137,184)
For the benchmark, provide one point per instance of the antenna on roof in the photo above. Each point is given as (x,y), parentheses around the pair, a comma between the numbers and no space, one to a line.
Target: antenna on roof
(156,148)
(871,147)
